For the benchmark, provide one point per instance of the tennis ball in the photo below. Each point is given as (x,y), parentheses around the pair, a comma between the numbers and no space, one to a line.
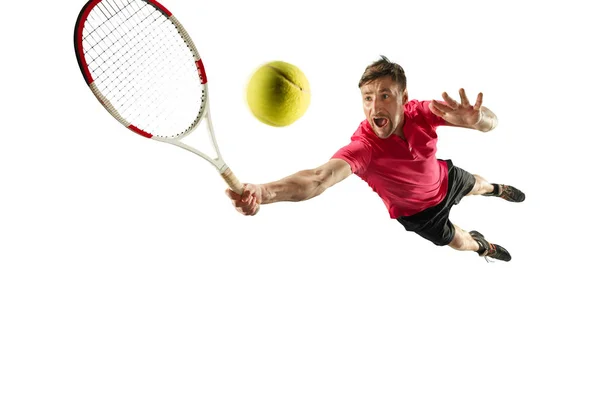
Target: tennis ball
(278,93)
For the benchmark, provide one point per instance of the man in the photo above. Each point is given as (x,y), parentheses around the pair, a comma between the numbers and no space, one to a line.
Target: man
(394,152)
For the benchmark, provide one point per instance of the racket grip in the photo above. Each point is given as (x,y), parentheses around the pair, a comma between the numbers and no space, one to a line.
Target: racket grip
(232,181)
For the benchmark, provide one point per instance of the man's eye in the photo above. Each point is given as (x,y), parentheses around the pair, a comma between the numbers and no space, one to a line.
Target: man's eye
(385,96)
(368,98)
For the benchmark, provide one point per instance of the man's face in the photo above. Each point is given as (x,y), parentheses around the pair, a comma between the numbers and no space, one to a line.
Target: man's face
(383,104)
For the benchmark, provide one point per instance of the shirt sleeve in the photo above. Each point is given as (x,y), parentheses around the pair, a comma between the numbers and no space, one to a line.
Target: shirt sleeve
(357,153)
(430,117)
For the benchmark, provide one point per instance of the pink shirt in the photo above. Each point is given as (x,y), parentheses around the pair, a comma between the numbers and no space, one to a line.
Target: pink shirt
(405,174)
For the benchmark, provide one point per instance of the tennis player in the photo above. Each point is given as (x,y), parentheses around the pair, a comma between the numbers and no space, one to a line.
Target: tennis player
(394,152)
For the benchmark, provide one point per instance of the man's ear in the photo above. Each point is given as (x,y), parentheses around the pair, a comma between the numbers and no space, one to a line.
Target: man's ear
(404,96)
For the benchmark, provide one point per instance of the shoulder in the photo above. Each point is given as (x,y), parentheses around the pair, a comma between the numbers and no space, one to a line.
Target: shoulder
(419,111)
(417,107)
(364,133)
(359,151)
(363,130)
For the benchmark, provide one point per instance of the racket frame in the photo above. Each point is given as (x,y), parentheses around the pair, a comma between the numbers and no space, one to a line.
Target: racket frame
(203,114)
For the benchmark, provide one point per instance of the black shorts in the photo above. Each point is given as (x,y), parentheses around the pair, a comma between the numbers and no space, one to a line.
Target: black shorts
(433,223)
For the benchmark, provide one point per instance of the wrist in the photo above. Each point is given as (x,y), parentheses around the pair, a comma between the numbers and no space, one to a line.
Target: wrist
(486,122)
(480,125)
(267,194)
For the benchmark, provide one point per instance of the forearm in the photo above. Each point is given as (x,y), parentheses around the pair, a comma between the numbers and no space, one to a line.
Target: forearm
(487,122)
(300,186)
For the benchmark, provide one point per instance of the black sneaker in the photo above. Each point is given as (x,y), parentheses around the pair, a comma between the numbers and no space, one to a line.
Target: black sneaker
(507,192)
(490,250)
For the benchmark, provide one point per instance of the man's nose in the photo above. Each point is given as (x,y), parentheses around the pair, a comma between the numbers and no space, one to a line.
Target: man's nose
(376,105)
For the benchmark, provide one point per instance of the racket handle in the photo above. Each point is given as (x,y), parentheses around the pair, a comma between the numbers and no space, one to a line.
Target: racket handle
(232,181)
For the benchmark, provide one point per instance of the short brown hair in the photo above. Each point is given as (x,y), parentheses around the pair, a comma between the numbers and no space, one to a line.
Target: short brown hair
(384,67)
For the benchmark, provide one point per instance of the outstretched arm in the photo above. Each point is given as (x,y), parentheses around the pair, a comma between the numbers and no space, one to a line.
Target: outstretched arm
(302,185)
(464,114)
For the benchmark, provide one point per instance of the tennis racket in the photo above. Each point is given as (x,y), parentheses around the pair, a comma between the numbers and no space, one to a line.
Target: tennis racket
(143,67)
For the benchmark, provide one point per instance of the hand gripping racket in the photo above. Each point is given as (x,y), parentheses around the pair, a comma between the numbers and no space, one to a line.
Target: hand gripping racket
(143,67)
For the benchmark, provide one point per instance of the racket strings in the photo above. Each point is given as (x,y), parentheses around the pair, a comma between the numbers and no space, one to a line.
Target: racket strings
(107,31)
(132,45)
(100,34)
(170,65)
(142,65)
(127,79)
(121,74)
(143,58)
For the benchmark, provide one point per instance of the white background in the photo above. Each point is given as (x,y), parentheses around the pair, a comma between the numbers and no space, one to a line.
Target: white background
(126,274)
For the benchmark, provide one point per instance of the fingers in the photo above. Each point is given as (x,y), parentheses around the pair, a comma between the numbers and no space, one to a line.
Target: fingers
(450,101)
(246,203)
(464,101)
(479,101)
(246,208)
(440,109)
(232,195)
(252,207)
(463,97)
(249,207)
(248,191)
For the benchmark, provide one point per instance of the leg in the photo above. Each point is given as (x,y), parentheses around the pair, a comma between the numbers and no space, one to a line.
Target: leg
(463,240)
(434,225)
(459,239)
(481,186)
(506,192)
(475,241)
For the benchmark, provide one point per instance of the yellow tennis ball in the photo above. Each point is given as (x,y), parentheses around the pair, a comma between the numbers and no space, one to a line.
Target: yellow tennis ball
(278,93)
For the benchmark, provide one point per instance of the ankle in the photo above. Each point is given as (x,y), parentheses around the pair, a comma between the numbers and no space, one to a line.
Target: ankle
(482,248)
(496,189)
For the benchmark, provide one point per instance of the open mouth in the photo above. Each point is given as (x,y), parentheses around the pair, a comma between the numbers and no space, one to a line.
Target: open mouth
(380,122)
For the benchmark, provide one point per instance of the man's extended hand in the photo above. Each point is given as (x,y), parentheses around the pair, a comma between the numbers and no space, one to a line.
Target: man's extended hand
(460,114)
